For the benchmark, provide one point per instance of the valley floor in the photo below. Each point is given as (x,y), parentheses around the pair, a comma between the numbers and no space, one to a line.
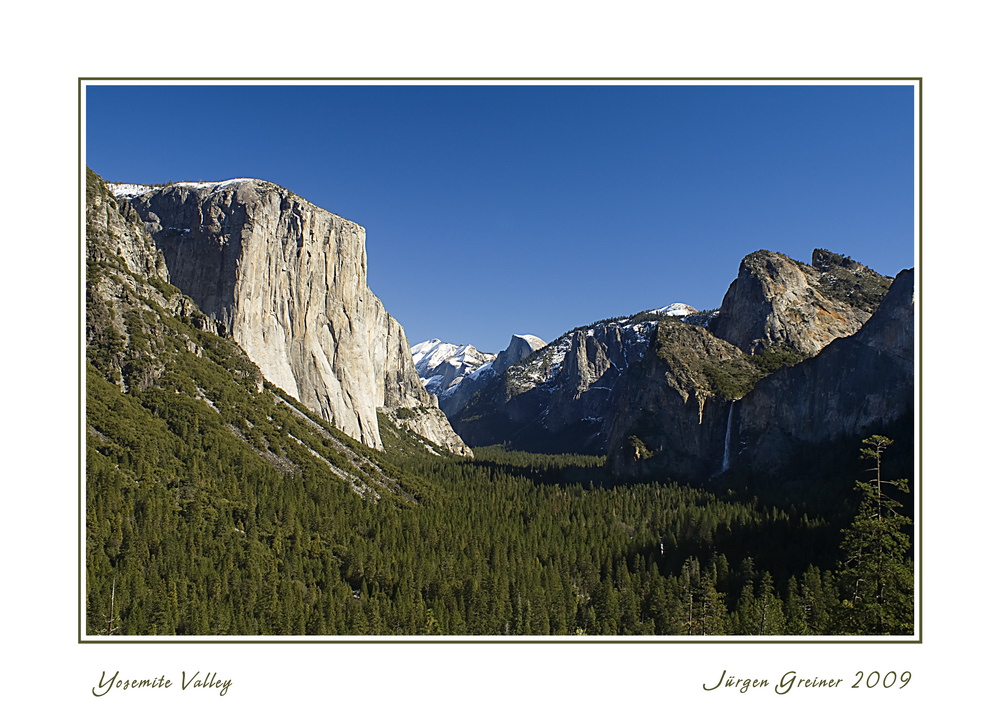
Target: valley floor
(508,544)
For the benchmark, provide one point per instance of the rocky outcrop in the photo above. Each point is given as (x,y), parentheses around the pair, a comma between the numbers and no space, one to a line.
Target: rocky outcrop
(855,387)
(672,414)
(793,424)
(558,398)
(287,281)
(520,347)
(778,301)
(127,298)
(425,422)
(116,234)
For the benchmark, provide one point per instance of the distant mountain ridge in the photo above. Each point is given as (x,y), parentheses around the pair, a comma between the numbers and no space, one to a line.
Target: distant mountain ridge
(441,365)
(444,367)
(661,391)
(455,374)
(558,398)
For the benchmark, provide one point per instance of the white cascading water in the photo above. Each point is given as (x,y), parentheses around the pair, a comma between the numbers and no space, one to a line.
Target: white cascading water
(729,431)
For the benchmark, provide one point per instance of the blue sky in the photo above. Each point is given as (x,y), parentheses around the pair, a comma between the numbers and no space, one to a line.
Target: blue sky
(493,210)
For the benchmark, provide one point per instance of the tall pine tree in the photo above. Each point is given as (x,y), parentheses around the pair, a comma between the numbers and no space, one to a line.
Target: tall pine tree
(875,574)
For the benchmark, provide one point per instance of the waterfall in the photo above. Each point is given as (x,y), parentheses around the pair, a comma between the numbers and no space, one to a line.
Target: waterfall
(729,431)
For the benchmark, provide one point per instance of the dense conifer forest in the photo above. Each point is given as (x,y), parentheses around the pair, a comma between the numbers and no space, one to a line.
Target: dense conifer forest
(224,516)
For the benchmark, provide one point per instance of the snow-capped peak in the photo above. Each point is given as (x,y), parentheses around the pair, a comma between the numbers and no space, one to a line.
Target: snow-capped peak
(442,365)
(677,309)
(434,351)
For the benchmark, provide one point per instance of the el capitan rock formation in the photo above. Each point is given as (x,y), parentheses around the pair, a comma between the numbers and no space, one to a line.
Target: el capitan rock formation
(287,280)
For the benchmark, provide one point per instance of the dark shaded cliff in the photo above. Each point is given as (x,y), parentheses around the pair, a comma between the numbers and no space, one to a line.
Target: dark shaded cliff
(671,417)
(559,398)
(807,416)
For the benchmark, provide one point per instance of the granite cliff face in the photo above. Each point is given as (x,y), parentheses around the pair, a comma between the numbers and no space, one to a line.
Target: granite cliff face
(287,281)
(857,386)
(116,233)
(673,409)
(776,300)
(521,346)
(126,289)
(164,391)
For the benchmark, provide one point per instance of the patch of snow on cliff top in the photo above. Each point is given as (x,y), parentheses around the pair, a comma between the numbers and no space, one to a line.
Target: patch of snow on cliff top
(214,184)
(677,309)
(129,190)
(432,383)
(486,367)
(546,364)
(472,359)
(700,318)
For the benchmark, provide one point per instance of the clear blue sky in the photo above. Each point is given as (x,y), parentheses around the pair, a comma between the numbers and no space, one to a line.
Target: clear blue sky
(493,210)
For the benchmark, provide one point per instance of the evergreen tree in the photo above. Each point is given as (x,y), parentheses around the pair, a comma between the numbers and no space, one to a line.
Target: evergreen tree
(711,617)
(795,611)
(770,616)
(875,576)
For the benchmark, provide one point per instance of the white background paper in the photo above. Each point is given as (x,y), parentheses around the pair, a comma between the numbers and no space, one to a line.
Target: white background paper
(47,674)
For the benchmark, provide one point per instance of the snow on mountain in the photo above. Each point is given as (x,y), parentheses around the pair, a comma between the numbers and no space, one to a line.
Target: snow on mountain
(429,354)
(559,395)
(130,190)
(677,309)
(442,366)
(542,367)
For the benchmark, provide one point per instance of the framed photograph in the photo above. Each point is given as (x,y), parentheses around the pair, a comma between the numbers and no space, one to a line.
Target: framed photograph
(523,360)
